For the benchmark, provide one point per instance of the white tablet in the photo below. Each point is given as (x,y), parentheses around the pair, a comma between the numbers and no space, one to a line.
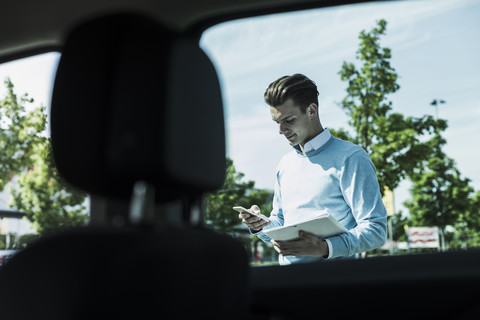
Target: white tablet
(324,226)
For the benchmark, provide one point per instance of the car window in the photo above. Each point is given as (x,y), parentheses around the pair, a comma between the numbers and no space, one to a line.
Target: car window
(428,48)
(434,201)
(34,200)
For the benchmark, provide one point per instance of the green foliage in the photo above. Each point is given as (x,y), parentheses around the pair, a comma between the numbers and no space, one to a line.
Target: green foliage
(399,221)
(39,192)
(440,196)
(468,226)
(20,131)
(469,221)
(396,144)
(368,87)
(50,203)
(234,192)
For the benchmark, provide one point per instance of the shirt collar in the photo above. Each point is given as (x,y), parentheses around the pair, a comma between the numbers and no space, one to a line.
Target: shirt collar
(317,142)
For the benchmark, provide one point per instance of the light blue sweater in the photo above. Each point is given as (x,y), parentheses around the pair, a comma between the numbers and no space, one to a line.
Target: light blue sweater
(337,178)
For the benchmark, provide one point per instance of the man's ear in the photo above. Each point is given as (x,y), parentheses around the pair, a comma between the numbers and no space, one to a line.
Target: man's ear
(312,110)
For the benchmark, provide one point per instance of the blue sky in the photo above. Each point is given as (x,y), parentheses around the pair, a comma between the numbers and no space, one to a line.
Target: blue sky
(435,47)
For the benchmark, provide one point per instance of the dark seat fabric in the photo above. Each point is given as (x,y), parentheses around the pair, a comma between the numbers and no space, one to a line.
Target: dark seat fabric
(127,274)
(133,101)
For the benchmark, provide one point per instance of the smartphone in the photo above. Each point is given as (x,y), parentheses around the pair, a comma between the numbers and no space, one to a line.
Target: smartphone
(242,209)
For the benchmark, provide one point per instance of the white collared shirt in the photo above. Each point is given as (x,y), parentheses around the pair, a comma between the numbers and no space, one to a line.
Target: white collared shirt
(317,142)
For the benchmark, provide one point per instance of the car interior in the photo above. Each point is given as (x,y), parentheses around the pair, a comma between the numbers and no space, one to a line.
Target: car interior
(145,253)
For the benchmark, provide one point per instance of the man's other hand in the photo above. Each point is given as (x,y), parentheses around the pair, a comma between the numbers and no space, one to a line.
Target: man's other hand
(306,245)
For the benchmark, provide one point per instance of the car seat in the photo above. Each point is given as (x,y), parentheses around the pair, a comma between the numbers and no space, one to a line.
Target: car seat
(137,123)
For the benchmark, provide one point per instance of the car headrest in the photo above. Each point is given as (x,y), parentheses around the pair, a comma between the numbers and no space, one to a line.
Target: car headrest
(134,101)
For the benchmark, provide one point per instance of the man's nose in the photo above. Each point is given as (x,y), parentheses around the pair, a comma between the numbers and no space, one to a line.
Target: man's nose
(282,128)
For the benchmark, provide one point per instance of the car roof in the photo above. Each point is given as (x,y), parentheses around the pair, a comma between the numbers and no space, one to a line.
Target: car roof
(28,27)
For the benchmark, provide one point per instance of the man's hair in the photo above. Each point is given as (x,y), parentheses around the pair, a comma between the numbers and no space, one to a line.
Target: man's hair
(297,87)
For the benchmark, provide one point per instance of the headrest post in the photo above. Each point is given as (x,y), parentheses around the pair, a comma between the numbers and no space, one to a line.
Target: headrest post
(142,205)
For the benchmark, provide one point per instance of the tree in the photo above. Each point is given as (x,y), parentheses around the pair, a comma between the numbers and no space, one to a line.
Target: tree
(20,131)
(396,144)
(218,205)
(440,195)
(368,87)
(50,204)
(399,221)
(471,218)
(468,226)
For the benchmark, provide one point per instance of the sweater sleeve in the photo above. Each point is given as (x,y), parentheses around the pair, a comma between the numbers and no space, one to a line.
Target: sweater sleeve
(360,188)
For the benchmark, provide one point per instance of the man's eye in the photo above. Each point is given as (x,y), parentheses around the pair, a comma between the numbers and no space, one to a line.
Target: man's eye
(290,121)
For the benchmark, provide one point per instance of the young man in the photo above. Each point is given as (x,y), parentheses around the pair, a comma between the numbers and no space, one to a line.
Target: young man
(322,174)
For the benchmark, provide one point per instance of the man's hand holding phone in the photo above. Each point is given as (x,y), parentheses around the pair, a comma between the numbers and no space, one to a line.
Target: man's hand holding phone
(252,217)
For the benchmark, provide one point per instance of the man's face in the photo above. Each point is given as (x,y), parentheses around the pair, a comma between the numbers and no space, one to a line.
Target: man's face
(296,126)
